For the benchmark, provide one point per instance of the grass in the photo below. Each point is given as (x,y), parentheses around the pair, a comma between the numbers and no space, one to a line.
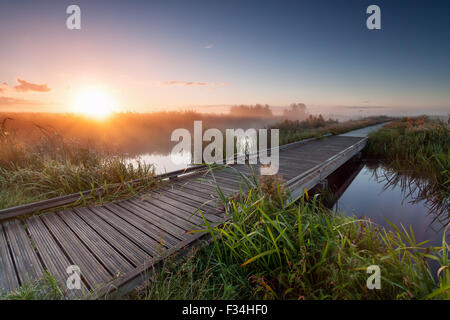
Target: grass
(271,249)
(45,289)
(57,166)
(419,148)
(291,131)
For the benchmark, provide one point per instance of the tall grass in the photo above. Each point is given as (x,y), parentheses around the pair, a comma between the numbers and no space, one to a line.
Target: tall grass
(419,147)
(46,288)
(57,166)
(291,131)
(271,249)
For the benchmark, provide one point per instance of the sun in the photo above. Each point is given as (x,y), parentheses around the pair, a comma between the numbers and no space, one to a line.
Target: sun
(95,104)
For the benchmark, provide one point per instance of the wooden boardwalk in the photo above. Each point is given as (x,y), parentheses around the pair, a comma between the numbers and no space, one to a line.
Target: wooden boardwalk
(115,244)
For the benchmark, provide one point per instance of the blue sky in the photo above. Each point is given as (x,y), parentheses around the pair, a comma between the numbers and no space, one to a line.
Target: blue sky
(153,54)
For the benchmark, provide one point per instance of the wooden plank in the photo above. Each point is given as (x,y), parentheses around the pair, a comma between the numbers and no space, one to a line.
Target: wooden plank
(192,185)
(145,226)
(193,195)
(161,223)
(231,184)
(109,257)
(91,270)
(210,183)
(207,196)
(211,188)
(169,204)
(221,184)
(166,215)
(309,179)
(8,277)
(231,177)
(145,242)
(191,206)
(54,259)
(206,204)
(25,259)
(130,250)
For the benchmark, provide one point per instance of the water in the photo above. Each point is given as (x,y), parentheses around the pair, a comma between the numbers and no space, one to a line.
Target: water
(372,190)
(168,162)
(163,163)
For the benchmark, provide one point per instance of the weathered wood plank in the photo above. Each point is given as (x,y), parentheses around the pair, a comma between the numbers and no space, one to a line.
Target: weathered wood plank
(128,248)
(25,259)
(165,203)
(149,228)
(8,277)
(166,215)
(91,270)
(191,206)
(109,257)
(55,261)
(163,224)
(213,186)
(192,195)
(145,242)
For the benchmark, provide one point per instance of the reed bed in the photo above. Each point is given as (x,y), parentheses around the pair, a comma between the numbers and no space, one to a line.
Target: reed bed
(57,166)
(312,127)
(418,147)
(273,249)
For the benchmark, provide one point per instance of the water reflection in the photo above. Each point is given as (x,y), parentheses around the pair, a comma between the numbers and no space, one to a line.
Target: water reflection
(164,163)
(379,192)
(416,190)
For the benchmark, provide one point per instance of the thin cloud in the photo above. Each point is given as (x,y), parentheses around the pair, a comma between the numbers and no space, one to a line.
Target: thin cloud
(209,46)
(194,84)
(25,86)
(13,102)
(366,107)
(4,87)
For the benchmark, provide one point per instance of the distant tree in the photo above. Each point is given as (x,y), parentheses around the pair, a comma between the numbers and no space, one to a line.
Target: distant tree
(257,110)
(296,111)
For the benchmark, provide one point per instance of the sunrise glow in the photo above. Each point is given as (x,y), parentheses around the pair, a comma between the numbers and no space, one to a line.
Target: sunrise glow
(95,104)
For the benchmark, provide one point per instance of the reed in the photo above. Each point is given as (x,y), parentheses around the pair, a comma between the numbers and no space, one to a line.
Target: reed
(57,166)
(418,147)
(271,249)
(291,131)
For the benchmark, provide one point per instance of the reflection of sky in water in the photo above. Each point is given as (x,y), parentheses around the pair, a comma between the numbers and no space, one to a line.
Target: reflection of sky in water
(170,162)
(164,163)
(365,196)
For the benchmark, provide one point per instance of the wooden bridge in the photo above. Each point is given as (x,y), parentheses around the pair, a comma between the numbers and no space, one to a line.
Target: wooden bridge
(115,244)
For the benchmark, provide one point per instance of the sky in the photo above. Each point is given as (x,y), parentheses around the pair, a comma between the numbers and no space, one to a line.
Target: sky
(155,55)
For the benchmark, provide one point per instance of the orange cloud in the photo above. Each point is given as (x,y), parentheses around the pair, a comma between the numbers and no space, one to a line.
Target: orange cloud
(194,84)
(25,86)
(12,102)
(3,87)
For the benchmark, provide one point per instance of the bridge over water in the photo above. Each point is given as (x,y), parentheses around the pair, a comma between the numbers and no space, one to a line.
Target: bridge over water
(115,244)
